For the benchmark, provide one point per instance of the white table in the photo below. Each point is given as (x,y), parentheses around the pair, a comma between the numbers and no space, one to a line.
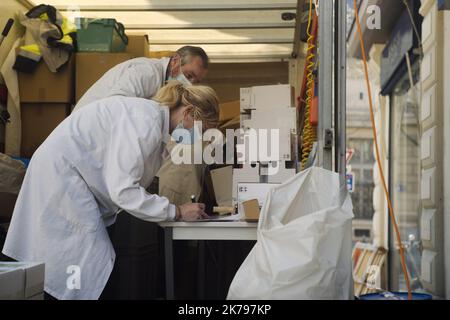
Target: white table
(209,230)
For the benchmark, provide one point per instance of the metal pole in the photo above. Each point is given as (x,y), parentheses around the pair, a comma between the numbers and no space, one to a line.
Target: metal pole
(340,89)
(324,129)
(340,92)
(336,86)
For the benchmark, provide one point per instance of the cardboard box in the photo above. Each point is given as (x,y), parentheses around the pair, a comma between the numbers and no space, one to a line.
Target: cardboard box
(222,180)
(12,284)
(230,124)
(161,54)
(266,97)
(45,86)
(138,45)
(38,121)
(247,191)
(21,280)
(91,66)
(229,110)
(251,209)
(285,122)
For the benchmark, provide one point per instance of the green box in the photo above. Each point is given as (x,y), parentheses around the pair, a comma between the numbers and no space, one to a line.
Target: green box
(100,35)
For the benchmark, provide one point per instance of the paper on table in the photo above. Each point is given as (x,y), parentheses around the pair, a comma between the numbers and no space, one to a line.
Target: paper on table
(234,217)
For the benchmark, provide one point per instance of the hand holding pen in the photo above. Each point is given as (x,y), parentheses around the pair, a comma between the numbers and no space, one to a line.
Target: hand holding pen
(191,211)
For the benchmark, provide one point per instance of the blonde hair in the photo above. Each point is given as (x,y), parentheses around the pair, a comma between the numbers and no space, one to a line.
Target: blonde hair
(203,99)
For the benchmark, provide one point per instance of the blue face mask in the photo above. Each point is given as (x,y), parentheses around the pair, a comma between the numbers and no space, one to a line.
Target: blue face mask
(183,135)
(180,77)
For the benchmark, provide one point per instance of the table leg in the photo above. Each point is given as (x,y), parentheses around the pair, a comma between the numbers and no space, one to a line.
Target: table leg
(201,274)
(168,256)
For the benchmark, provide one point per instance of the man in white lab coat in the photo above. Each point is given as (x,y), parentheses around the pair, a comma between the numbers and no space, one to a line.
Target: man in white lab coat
(143,77)
(97,161)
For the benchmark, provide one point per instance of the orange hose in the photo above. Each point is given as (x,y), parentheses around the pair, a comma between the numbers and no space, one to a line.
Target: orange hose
(377,152)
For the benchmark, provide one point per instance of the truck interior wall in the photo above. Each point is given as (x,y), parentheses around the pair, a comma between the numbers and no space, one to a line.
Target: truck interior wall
(228,78)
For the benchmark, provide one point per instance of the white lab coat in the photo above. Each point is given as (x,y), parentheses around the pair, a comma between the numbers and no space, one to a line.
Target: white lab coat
(97,161)
(139,77)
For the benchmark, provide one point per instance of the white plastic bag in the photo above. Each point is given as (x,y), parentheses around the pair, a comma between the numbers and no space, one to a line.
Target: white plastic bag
(304,242)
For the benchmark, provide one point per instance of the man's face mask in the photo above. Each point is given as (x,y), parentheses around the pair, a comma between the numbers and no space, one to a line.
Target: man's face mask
(180,77)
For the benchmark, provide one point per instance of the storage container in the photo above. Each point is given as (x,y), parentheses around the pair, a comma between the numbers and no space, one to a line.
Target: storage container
(100,35)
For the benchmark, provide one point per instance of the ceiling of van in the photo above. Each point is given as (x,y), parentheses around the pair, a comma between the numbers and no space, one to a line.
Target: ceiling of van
(228,30)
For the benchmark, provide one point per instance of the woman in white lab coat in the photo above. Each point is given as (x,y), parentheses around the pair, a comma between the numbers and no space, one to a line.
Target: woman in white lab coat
(96,162)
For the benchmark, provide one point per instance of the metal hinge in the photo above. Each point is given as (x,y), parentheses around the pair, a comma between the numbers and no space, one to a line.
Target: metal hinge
(328,139)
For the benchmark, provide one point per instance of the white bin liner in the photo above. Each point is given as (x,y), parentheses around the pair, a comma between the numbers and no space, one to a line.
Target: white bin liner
(304,242)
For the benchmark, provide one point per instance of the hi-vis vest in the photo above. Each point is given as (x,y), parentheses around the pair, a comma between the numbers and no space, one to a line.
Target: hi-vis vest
(57,33)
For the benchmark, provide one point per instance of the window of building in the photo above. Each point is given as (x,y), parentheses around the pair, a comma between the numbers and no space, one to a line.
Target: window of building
(361,165)
(405,180)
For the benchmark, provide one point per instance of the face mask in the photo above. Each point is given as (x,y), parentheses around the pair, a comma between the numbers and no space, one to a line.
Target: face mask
(185,136)
(180,77)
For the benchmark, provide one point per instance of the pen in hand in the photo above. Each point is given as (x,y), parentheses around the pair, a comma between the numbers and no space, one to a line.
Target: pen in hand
(203,215)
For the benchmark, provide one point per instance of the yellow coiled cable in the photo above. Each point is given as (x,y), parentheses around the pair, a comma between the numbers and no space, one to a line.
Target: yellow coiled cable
(309,133)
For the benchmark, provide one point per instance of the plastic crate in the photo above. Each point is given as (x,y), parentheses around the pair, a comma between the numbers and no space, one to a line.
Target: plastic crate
(100,35)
